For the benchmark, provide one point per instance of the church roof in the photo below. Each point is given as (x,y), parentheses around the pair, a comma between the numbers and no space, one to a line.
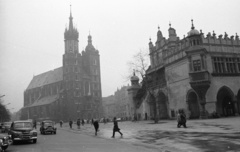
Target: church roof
(49,77)
(44,101)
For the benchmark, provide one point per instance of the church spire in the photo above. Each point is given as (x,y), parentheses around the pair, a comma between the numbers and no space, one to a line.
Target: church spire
(70,19)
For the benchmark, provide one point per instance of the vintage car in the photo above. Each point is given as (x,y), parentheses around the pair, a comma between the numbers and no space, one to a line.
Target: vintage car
(6,126)
(5,141)
(22,130)
(48,126)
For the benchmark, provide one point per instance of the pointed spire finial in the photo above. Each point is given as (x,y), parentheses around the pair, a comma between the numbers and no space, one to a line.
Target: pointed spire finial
(192,24)
(70,10)
(169,24)
(133,72)
(158,27)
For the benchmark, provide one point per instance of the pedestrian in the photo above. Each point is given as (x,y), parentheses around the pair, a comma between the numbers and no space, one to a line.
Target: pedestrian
(96,126)
(70,123)
(181,119)
(61,122)
(115,127)
(78,123)
(35,124)
(83,122)
(92,121)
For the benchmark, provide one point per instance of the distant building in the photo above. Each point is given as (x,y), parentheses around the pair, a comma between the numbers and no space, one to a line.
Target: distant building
(109,106)
(118,105)
(68,92)
(200,74)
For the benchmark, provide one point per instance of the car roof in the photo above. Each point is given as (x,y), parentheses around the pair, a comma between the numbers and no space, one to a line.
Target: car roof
(47,121)
(22,121)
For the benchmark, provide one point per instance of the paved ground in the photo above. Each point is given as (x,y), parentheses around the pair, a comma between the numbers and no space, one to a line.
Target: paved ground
(207,135)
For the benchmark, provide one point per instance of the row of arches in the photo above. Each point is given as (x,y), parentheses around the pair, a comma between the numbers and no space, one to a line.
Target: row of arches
(227,104)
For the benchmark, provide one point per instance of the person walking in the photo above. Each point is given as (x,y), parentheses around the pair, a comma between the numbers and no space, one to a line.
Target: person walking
(92,121)
(70,123)
(181,119)
(78,123)
(35,124)
(83,122)
(115,127)
(96,126)
(61,122)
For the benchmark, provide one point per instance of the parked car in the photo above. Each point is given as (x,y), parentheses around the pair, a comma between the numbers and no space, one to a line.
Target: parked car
(22,130)
(5,141)
(48,126)
(6,126)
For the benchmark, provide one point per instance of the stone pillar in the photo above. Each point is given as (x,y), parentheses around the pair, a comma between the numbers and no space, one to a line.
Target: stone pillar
(235,106)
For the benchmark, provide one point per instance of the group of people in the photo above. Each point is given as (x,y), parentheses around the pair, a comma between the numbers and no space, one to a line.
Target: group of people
(95,123)
(181,119)
(115,127)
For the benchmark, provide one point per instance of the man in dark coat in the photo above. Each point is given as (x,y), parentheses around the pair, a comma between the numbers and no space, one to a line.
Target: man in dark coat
(115,127)
(78,123)
(70,123)
(96,126)
(181,118)
(61,122)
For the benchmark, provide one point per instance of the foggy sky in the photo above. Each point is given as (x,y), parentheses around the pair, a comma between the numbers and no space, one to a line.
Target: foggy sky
(32,34)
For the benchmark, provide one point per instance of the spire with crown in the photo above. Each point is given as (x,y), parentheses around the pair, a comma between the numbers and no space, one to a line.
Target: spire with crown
(71,33)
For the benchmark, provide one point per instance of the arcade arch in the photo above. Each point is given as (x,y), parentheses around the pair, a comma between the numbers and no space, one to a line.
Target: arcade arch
(193,105)
(162,106)
(225,104)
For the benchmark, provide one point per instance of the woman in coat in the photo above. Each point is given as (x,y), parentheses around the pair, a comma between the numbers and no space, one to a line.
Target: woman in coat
(181,119)
(96,126)
(115,127)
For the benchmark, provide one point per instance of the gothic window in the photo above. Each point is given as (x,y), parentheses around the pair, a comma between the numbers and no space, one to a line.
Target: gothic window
(196,65)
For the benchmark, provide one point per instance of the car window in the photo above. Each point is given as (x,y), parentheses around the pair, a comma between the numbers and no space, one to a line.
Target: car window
(48,124)
(22,125)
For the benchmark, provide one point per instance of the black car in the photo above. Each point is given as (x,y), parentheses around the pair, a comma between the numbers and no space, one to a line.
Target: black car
(5,141)
(22,130)
(48,126)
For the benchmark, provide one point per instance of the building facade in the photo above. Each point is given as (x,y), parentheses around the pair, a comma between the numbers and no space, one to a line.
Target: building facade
(71,91)
(119,105)
(198,73)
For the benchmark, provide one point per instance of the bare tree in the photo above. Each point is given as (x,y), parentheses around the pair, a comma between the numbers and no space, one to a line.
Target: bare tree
(140,65)
(4,113)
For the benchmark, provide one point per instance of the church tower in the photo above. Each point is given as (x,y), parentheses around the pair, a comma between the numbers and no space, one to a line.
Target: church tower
(72,64)
(91,64)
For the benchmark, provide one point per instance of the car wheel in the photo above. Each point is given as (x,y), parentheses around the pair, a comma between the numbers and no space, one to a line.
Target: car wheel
(34,141)
(55,132)
(13,142)
(4,147)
